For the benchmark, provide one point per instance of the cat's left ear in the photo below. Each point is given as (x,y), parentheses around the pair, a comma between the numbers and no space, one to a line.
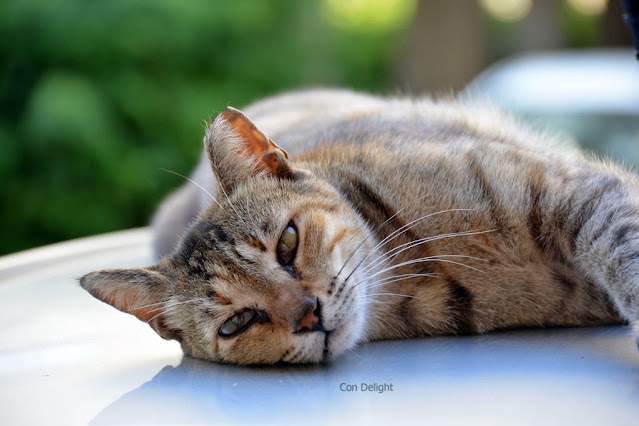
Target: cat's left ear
(140,291)
(238,150)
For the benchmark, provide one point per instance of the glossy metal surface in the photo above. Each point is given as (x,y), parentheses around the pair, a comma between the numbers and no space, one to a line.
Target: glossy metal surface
(66,358)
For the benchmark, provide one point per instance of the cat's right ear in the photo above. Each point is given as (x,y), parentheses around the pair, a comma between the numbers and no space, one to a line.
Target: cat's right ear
(140,291)
(238,150)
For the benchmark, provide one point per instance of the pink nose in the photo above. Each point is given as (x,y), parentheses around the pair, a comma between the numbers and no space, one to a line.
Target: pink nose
(311,321)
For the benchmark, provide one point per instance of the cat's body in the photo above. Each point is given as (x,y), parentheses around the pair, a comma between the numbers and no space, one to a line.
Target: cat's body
(408,218)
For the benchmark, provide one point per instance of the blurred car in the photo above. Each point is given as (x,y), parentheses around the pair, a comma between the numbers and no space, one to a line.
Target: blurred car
(589,96)
(66,358)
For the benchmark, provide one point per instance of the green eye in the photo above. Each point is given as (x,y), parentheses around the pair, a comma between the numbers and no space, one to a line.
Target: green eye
(287,245)
(237,322)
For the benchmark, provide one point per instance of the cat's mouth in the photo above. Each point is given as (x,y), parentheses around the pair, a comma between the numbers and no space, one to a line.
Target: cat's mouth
(327,354)
(329,338)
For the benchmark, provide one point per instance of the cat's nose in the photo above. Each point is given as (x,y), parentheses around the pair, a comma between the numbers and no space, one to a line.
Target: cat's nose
(312,319)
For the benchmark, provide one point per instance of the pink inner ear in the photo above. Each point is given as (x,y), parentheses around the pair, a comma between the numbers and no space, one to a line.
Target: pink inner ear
(256,144)
(270,160)
(126,301)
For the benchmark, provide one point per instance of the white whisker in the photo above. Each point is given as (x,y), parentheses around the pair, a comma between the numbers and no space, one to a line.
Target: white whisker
(395,278)
(366,239)
(172,305)
(424,260)
(233,207)
(399,232)
(397,295)
(194,183)
(391,279)
(407,246)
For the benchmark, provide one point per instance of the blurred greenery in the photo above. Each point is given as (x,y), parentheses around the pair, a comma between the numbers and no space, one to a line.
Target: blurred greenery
(97,97)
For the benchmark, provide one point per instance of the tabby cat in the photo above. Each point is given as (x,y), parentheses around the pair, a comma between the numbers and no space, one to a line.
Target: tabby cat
(394,218)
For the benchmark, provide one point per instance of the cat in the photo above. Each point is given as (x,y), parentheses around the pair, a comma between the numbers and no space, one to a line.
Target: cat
(394,218)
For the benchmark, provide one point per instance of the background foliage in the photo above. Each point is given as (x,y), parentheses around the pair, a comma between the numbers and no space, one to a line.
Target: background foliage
(97,97)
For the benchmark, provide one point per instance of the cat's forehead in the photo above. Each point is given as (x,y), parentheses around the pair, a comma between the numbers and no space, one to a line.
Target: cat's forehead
(215,238)
(211,253)
(239,234)
(212,234)
(260,213)
(266,204)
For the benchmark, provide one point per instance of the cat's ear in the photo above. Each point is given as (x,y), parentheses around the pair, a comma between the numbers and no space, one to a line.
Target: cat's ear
(141,292)
(238,150)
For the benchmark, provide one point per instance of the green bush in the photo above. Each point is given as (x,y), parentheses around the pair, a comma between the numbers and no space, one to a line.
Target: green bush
(97,97)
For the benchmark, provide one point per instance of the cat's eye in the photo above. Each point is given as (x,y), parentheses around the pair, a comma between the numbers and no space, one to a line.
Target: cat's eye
(237,322)
(287,245)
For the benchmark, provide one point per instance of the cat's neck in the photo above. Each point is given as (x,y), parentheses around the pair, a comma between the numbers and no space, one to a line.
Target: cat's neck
(399,278)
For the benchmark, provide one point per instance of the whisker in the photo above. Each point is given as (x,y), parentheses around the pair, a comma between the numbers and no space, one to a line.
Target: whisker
(170,306)
(397,295)
(150,304)
(366,239)
(399,232)
(424,260)
(407,246)
(233,206)
(391,279)
(169,303)
(185,320)
(194,183)
(401,277)
(410,225)
(377,316)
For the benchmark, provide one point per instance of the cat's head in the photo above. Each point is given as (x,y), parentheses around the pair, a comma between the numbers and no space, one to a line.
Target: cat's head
(261,277)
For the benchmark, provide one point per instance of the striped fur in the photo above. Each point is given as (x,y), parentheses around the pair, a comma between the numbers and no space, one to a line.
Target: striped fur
(415,218)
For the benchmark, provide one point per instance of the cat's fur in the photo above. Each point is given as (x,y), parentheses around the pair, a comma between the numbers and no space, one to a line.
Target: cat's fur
(415,218)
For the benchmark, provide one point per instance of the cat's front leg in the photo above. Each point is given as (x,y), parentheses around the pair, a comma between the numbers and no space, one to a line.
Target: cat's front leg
(600,212)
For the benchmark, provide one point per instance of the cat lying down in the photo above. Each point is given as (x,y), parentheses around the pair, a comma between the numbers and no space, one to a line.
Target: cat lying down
(391,218)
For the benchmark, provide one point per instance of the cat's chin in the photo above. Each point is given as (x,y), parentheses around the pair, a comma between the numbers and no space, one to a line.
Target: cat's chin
(343,337)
